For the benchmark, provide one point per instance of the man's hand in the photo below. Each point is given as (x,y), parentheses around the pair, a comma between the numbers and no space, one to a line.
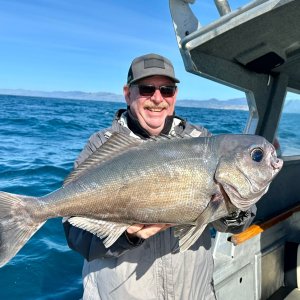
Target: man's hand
(144,231)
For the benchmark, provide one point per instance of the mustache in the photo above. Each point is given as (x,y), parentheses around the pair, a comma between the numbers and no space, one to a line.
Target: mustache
(151,105)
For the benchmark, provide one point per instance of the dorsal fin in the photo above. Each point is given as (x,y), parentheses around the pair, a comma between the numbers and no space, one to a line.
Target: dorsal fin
(117,144)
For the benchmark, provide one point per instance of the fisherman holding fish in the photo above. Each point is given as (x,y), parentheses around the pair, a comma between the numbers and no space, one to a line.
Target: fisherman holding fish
(144,261)
(138,203)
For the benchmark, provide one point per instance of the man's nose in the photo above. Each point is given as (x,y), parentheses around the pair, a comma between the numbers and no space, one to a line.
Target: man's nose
(157,97)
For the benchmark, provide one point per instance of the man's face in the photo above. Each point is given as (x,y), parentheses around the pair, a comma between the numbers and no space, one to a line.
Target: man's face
(151,111)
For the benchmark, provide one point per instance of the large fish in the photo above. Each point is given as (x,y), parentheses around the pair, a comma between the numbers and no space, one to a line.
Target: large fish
(186,182)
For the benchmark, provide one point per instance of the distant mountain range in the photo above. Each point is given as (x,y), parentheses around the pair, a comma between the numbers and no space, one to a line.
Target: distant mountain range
(236,104)
(291,106)
(100,96)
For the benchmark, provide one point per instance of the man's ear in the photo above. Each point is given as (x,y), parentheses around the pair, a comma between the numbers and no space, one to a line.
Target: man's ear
(126,93)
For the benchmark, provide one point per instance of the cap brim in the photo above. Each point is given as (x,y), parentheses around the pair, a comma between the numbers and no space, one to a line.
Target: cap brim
(142,77)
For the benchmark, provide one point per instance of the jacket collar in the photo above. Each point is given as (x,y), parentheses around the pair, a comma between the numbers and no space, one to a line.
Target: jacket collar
(138,130)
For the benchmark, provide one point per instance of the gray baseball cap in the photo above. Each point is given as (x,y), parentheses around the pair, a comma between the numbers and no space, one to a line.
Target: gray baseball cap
(150,65)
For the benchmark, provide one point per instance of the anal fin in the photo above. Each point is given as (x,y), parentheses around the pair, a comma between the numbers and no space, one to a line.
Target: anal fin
(111,231)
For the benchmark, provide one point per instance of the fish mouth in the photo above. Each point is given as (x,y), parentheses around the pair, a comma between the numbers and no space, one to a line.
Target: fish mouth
(277,164)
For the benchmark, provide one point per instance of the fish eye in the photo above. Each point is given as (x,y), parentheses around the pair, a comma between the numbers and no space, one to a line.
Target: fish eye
(257,154)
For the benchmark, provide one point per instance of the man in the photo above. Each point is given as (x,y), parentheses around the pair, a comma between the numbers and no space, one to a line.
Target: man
(140,264)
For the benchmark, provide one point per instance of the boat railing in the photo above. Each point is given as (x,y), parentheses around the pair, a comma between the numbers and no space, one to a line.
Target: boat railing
(260,227)
(223,7)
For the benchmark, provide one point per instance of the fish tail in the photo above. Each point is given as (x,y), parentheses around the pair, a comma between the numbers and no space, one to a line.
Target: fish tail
(17,224)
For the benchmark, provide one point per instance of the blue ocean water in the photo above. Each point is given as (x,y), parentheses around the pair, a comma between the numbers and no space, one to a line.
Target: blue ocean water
(40,139)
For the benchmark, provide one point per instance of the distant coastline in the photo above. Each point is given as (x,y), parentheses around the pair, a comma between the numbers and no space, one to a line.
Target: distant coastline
(291,106)
(233,104)
(76,95)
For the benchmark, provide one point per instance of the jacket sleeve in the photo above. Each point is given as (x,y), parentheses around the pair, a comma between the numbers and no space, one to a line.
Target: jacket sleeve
(84,242)
(236,222)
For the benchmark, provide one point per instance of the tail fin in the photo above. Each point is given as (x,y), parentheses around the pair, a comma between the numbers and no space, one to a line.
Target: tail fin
(16,224)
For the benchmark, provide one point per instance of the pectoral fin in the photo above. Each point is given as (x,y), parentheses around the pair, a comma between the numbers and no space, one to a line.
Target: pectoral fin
(181,230)
(109,230)
(188,234)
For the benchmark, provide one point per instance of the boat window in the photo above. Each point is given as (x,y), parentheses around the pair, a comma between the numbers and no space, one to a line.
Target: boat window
(288,128)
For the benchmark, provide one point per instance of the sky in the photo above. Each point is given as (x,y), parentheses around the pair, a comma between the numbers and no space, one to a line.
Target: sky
(88,45)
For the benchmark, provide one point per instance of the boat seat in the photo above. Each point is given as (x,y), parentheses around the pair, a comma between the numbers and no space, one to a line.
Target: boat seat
(291,288)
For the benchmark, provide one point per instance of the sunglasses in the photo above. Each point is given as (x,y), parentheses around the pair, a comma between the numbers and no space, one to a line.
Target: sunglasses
(148,90)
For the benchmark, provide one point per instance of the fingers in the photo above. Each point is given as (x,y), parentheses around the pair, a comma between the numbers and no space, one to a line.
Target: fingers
(145,231)
(149,230)
(134,228)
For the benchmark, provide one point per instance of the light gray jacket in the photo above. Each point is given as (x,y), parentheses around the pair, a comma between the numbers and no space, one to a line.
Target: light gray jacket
(147,269)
